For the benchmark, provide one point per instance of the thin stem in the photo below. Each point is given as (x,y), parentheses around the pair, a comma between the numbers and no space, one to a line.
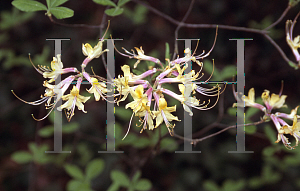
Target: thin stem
(179,26)
(280,18)
(279,50)
(219,118)
(195,141)
(263,32)
(189,25)
(75,25)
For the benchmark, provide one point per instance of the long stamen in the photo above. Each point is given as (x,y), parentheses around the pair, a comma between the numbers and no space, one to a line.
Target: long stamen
(39,71)
(207,54)
(46,115)
(106,30)
(128,127)
(38,102)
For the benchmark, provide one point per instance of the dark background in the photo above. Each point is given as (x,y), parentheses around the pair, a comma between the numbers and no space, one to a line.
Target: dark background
(264,69)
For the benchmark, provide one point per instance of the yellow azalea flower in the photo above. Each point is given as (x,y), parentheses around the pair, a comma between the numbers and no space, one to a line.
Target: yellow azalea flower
(139,97)
(95,52)
(292,130)
(188,57)
(122,83)
(164,114)
(186,100)
(73,99)
(275,101)
(250,101)
(189,77)
(56,69)
(293,43)
(96,87)
(296,129)
(148,117)
(140,56)
(49,92)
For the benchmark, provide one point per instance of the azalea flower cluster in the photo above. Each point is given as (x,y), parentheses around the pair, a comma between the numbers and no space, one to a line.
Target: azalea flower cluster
(275,101)
(147,89)
(143,91)
(56,92)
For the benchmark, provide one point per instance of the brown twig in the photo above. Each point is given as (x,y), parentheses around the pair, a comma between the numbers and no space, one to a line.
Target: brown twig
(75,25)
(189,25)
(195,141)
(279,50)
(280,18)
(179,26)
(263,32)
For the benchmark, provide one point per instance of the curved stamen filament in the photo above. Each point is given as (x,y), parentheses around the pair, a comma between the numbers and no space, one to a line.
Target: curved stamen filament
(38,102)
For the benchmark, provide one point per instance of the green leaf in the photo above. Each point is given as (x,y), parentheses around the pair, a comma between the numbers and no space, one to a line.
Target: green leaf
(142,142)
(105,2)
(250,129)
(55,3)
(250,112)
(255,182)
(120,178)
(46,131)
(122,2)
(129,140)
(113,187)
(123,113)
(38,152)
(114,11)
(228,72)
(138,15)
(94,168)
(291,161)
(210,186)
(137,72)
(230,185)
(232,111)
(29,5)
(62,12)
(10,19)
(22,157)
(143,184)
(48,3)
(293,2)
(168,144)
(75,185)
(74,171)
(84,152)
(136,176)
(209,68)
(270,133)
(270,175)
(292,64)
(70,127)
(269,151)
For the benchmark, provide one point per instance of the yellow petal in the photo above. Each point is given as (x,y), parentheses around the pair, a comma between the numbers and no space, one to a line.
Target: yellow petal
(162,103)
(87,49)
(139,91)
(126,70)
(159,119)
(276,101)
